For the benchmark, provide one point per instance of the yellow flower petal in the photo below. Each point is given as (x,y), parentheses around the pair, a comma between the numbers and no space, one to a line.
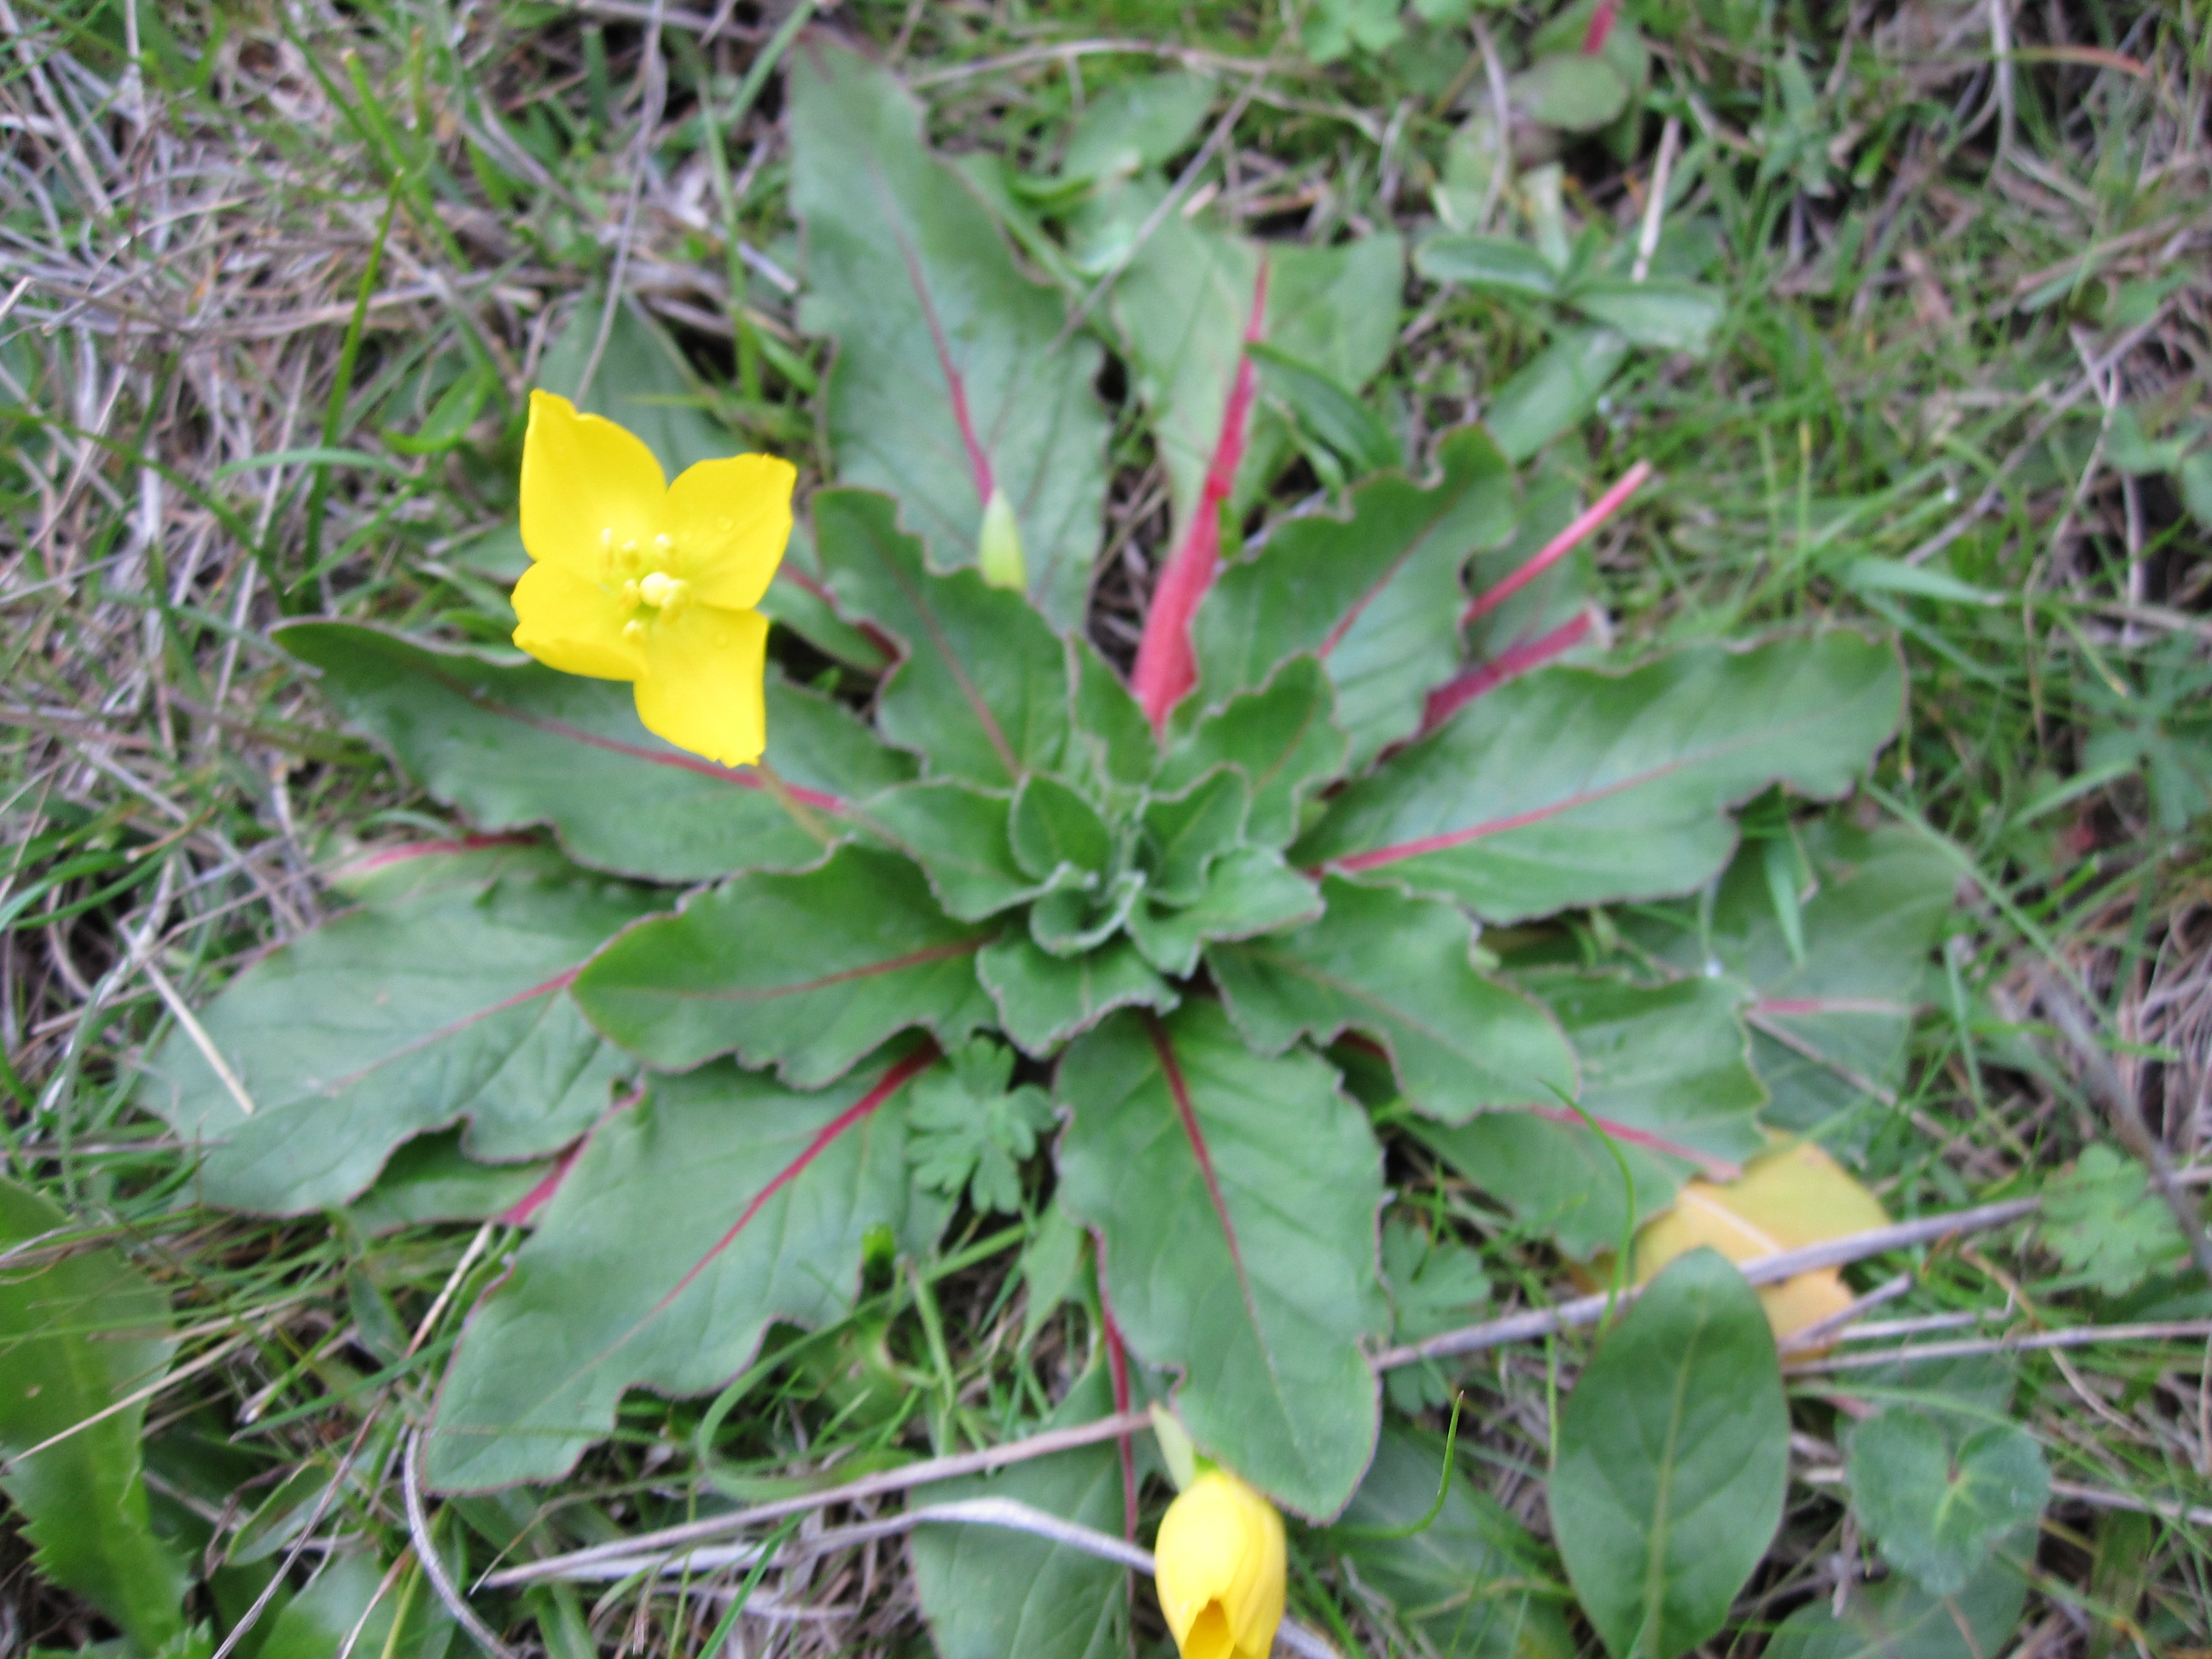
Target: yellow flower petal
(571,624)
(701,686)
(1219,1569)
(583,477)
(729,519)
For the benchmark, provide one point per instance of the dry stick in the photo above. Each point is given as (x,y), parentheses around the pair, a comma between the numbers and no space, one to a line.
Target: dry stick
(425,1552)
(655,100)
(1493,1334)
(1655,207)
(2103,1080)
(2112,1500)
(2078,1336)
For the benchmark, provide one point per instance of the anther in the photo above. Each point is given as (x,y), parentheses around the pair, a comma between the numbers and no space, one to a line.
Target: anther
(658,588)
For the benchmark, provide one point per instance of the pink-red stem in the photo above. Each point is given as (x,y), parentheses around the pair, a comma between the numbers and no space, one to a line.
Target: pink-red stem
(1165,668)
(1560,545)
(1516,658)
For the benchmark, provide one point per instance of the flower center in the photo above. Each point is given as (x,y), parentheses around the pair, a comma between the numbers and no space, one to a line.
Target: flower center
(639,573)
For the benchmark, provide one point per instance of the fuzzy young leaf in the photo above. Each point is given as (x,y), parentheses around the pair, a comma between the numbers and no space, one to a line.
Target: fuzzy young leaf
(1055,828)
(79,1331)
(513,744)
(807,972)
(970,1130)
(1374,595)
(955,374)
(634,1277)
(1184,833)
(1664,1077)
(1043,999)
(1398,970)
(1939,1508)
(1247,891)
(982,688)
(1284,738)
(1673,1452)
(1472,1582)
(1570,786)
(1235,1197)
(2101,1219)
(390,1021)
(958,836)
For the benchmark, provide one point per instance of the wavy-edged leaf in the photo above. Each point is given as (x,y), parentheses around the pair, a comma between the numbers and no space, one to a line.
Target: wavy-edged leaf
(1235,1197)
(989,1593)
(982,688)
(1284,738)
(806,973)
(448,1004)
(1185,832)
(1673,1451)
(1570,786)
(80,1330)
(1828,1032)
(1471,1582)
(1043,999)
(1664,1074)
(955,374)
(430,1179)
(1374,595)
(515,744)
(1398,969)
(1246,892)
(690,1222)
(958,836)
(1054,829)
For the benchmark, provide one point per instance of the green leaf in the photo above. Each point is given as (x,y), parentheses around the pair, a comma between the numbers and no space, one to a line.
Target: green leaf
(1471,1584)
(1488,262)
(1555,390)
(989,1593)
(446,1006)
(970,1130)
(982,688)
(1398,970)
(1662,314)
(1898,1620)
(430,1179)
(1895,576)
(1249,891)
(1664,1075)
(1673,1451)
(1182,307)
(341,1604)
(517,743)
(1827,1029)
(2101,1219)
(1283,737)
(634,1279)
(1043,999)
(806,973)
(1436,1285)
(1327,410)
(1055,828)
(1375,595)
(1113,748)
(1572,785)
(2195,476)
(954,373)
(1938,1511)
(1572,90)
(81,1328)
(1236,1199)
(1070,920)
(958,836)
(1184,833)
(1139,123)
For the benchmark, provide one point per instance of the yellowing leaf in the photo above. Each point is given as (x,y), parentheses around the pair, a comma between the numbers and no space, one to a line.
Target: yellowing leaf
(1783,1201)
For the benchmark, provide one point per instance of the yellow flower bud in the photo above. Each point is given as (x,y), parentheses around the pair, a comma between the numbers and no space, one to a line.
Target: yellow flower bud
(999,545)
(1221,1564)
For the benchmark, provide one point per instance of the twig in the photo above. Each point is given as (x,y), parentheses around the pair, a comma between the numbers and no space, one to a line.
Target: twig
(873,1485)
(1760,1270)
(426,1549)
(1841,1326)
(2171,1509)
(2078,1336)
(1655,205)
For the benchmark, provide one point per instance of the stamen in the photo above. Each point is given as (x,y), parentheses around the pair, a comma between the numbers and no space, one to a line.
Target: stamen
(634,631)
(658,588)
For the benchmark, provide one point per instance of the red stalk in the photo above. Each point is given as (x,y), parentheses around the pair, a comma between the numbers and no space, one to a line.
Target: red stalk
(1560,545)
(1165,668)
(1516,658)
(1117,1366)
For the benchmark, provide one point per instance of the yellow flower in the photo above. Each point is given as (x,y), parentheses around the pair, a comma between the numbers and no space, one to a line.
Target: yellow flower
(632,578)
(1219,1567)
